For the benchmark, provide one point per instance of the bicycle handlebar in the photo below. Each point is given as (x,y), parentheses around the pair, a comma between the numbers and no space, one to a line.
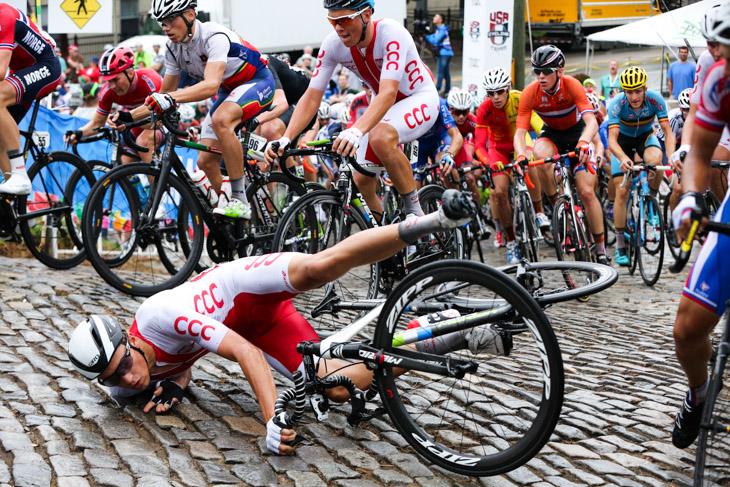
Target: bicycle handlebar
(555,158)
(318,148)
(643,167)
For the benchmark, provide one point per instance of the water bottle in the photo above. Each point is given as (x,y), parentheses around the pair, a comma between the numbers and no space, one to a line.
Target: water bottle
(202,182)
(432,318)
(139,188)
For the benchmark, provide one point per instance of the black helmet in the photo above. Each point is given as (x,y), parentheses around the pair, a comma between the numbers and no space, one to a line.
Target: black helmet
(351,4)
(548,56)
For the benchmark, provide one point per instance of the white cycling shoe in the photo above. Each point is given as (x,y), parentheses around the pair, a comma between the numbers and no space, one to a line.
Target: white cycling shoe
(18,184)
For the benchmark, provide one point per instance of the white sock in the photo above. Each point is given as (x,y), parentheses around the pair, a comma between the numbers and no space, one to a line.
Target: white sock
(17,161)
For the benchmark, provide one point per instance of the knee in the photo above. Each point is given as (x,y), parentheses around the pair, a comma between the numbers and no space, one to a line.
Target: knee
(273,129)
(207,163)
(221,124)
(382,140)
(685,334)
(587,196)
(500,194)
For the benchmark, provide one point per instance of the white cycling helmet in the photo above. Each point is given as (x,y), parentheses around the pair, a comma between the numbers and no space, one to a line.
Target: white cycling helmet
(345,117)
(708,20)
(716,28)
(459,100)
(93,343)
(595,102)
(683,98)
(165,8)
(324,110)
(187,112)
(496,79)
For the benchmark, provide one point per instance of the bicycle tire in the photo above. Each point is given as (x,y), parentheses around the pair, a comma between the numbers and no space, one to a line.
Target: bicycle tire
(711,465)
(650,253)
(450,243)
(529,248)
(631,243)
(712,204)
(586,278)
(311,225)
(140,272)
(608,224)
(501,413)
(570,237)
(669,232)
(59,197)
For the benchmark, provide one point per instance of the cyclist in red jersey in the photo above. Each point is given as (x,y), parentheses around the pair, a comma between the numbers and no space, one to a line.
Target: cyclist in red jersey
(128,88)
(570,124)
(29,70)
(243,311)
(359,104)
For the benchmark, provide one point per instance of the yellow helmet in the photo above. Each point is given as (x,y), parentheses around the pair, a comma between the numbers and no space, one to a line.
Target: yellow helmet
(633,77)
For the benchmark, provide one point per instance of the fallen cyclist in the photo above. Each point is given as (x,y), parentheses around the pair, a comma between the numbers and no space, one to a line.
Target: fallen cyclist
(243,311)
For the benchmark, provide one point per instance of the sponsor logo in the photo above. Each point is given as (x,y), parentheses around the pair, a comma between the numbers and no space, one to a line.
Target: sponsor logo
(418,115)
(94,360)
(204,297)
(473,89)
(498,28)
(704,286)
(474,30)
(37,75)
(264,94)
(392,55)
(192,327)
(379,358)
(445,455)
(403,300)
(33,42)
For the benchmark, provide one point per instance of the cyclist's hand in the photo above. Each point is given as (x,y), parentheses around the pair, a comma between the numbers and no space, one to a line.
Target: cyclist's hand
(118,120)
(72,137)
(278,434)
(194,134)
(682,213)
(275,149)
(679,154)
(601,162)
(167,393)
(585,151)
(446,163)
(159,102)
(347,142)
(626,165)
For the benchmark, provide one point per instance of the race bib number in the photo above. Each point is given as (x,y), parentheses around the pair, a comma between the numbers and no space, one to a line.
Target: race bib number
(42,139)
(256,143)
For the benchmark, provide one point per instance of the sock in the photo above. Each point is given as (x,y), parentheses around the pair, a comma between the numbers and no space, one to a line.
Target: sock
(413,229)
(510,233)
(238,190)
(17,162)
(620,238)
(696,395)
(411,203)
(498,226)
(600,243)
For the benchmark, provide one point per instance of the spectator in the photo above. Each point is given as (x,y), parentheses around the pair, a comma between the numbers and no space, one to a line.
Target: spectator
(442,50)
(91,73)
(590,86)
(308,50)
(609,83)
(64,67)
(343,89)
(158,60)
(143,56)
(681,74)
(90,100)
(305,62)
(75,63)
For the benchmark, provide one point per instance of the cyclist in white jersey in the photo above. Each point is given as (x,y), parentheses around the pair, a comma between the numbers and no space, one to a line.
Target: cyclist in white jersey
(722,152)
(225,65)
(242,311)
(404,107)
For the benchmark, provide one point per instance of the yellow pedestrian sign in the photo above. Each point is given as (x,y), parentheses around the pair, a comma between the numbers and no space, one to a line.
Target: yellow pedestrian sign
(80,11)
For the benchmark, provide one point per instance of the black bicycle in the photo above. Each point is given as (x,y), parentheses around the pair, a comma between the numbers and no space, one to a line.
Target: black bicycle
(48,220)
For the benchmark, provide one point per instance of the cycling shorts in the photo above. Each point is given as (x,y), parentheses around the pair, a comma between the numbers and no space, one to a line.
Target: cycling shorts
(564,141)
(725,139)
(33,83)
(254,96)
(502,152)
(411,117)
(631,146)
(707,283)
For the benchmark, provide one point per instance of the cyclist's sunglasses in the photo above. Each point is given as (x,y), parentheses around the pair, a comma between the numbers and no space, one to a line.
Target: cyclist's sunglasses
(496,92)
(459,113)
(345,20)
(167,21)
(545,71)
(125,365)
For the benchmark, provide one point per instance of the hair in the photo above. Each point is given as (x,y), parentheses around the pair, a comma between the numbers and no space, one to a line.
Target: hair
(683,47)
(443,19)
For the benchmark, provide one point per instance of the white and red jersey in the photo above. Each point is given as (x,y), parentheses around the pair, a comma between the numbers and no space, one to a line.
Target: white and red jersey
(146,82)
(20,35)
(704,63)
(391,54)
(358,106)
(249,296)
(468,128)
(714,110)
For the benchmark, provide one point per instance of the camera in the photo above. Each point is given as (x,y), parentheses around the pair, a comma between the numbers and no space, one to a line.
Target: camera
(421,27)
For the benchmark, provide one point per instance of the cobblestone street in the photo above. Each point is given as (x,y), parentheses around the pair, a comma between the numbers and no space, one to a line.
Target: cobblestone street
(623,386)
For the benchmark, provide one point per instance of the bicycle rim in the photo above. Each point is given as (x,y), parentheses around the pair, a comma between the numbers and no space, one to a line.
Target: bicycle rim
(711,465)
(498,416)
(555,282)
(530,231)
(650,253)
(133,257)
(441,245)
(50,217)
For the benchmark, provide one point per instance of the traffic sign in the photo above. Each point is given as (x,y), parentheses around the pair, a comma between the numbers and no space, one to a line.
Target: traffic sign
(80,11)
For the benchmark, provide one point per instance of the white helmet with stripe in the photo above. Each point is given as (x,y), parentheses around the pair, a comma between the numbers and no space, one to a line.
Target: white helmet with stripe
(93,344)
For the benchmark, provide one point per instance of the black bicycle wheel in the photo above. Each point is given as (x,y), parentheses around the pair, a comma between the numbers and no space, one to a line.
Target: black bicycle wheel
(133,256)
(441,245)
(528,235)
(50,217)
(650,253)
(711,465)
(317,221)
(555,282)
(669,232)
(570,236)
(632,228)
(502,411)
(608,225)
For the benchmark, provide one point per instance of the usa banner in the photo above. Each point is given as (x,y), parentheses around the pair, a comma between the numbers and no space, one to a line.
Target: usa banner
(488,32)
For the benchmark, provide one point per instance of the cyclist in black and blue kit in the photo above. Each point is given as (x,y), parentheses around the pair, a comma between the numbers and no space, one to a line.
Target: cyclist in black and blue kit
(631,117)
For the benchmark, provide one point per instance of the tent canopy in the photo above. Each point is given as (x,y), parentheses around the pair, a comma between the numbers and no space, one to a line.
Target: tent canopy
(668,29)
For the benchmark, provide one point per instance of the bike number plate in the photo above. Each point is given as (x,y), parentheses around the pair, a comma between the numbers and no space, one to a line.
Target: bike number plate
(256,143)
(42,139)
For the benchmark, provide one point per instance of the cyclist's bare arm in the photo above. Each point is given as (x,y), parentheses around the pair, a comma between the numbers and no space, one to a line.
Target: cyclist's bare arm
(519,143)
(457,140)
(254,367)
(379,105)
(591,128)
(5,56)
(98,120)
(670,143)
(280,106)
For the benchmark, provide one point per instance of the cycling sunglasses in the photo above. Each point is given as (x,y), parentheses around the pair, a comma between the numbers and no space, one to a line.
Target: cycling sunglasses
(125,365)
(545,71)
(345,20)
(167,21)
(459,113)
(496,92)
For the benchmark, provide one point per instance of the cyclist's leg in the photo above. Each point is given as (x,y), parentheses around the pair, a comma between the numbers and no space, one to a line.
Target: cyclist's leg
(718,181)
(9,134)
(151,139)
(545,147)
(652,154)
(368,187)
(502,204)
(619,207)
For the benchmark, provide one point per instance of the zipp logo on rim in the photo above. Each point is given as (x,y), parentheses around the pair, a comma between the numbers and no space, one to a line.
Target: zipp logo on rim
(449,457)
(405,297)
